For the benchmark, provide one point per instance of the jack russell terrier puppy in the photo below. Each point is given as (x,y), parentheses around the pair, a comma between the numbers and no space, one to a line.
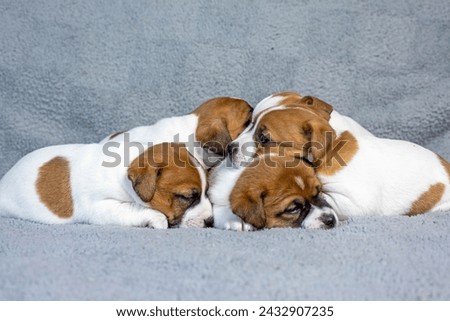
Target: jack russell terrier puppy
(360,174)
(213,124)
(163,185)
(273,191)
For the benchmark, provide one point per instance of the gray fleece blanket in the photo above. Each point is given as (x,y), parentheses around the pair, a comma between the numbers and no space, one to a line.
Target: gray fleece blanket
(73,72)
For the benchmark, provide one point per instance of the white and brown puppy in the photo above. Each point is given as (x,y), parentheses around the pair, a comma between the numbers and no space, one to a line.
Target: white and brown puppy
(212,125)
(272,191)
(360,174)
(163,186)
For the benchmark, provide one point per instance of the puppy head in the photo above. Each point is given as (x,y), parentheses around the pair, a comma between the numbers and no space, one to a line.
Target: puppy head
(289,119)
(303,130)
(221,120)
(167,178)
(276,191)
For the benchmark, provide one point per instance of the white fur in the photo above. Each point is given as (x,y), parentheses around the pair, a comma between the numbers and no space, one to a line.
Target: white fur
(107,202)
(385,176)
(179,129)
(164,130)
(300,182)
(264,105)
(341,123)
(101,194)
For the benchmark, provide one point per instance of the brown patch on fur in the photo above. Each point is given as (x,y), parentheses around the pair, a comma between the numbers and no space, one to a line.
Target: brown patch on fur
(53,187)
(339,155)
(165,177)
(266,189)
(446,165)
(116,134)
(220,121)
(427,200)
(294,128)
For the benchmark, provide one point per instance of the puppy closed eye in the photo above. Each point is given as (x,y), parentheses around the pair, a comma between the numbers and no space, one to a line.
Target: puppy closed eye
(189,200)
(297,208)
(294,208)
(263,139)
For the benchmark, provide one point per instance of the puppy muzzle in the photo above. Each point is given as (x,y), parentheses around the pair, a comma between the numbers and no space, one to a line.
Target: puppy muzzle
(321,216)
(198,217)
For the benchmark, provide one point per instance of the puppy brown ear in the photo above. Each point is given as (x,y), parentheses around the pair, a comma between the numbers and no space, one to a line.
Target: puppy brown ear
(249,209)
(214,136)
(320,136)
(144,181)
(144,171)
(318,104)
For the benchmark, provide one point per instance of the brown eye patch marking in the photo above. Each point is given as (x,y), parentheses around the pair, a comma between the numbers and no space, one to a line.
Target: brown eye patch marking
(427,200)
(53,187)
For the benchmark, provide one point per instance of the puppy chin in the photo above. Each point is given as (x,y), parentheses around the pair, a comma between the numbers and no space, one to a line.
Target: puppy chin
(320,218)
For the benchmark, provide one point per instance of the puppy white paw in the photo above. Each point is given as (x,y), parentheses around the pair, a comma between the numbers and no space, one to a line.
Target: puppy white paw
(238,226)
(158,222)
(224,219)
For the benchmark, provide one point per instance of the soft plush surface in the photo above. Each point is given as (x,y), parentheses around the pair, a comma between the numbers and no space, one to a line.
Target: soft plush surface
(74,71)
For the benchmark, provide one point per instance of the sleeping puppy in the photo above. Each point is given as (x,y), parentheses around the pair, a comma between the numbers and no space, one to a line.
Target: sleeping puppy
(360,174)
(211,126)
(273,191)
(163,186)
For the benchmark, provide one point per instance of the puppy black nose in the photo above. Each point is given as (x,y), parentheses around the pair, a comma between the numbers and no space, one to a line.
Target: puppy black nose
(232,148)
(329,220)
(209,222)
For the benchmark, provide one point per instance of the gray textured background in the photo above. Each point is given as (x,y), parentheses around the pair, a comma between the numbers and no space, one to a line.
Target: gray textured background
(74,71)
